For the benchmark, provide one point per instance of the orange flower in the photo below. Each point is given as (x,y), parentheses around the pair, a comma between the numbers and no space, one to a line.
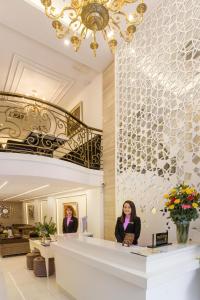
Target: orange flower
(177,201)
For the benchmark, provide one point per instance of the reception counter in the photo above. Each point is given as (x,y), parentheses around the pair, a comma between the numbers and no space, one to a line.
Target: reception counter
(94,269)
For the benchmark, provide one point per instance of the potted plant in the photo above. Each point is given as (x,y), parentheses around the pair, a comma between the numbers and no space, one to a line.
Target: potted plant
(183,202)
(46,229)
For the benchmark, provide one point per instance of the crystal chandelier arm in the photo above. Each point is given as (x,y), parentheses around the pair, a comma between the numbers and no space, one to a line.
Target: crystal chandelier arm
(121,2)
(72,22)
(119,29)
(94,45)
(127,36)
(116,5)
(78,27)
(62,33)
(130,1)
(50,12)
(83,33)
(137,18)
(104,33)
(119,14)
(76,4)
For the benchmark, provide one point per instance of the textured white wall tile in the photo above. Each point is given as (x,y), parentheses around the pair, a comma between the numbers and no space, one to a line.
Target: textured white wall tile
(158,110)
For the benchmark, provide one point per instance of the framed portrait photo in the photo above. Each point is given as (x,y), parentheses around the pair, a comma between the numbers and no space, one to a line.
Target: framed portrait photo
(74,205)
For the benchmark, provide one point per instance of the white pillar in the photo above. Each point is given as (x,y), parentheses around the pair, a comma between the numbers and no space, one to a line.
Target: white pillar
(52,208)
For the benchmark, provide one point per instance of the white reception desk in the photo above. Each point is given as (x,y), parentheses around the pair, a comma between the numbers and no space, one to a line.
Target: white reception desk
(94,269)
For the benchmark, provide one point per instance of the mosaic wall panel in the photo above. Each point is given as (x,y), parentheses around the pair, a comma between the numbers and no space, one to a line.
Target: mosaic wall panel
(158,108)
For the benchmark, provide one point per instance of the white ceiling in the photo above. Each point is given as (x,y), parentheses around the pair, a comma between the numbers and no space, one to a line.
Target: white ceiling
(34,62)
(18,185)
(26,77)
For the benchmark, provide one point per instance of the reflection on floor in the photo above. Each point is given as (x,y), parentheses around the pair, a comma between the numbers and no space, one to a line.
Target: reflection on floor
(18,283)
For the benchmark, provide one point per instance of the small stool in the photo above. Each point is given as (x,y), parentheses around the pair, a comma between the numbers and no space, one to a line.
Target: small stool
(39,267)
(29,259)
(35,250)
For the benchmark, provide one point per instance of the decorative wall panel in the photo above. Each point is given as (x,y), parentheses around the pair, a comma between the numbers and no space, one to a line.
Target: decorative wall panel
(109,152)
(158,109)
(14,214)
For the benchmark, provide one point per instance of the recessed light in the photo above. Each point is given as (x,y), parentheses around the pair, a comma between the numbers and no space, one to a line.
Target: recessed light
(28,192)
(66,42)
(3,184)
(55,193)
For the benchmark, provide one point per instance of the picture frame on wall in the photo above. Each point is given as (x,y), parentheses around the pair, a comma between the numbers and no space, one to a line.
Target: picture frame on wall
(31,213)
(75,207)
(77,112)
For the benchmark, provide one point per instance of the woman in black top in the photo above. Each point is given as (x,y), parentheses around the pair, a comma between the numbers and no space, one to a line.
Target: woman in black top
(128,223)
(70,222)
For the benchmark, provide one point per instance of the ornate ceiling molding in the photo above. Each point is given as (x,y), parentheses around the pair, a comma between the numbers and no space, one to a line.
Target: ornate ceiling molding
(24,76)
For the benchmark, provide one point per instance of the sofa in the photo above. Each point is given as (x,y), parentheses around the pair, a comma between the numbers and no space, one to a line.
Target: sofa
(13,246)
(22,229)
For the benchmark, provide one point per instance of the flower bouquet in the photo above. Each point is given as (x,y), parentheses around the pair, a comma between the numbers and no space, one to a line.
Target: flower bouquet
(182,203)
(45,229)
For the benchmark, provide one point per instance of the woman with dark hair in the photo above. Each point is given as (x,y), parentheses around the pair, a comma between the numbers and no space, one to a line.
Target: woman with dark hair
(70,222)
(128,223)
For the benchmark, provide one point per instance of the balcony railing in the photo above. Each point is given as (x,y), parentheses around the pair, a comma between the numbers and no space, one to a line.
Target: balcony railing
(30,125)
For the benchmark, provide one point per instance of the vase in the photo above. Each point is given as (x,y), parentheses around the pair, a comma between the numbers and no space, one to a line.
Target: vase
(43,239)
(182,230)
(53,237)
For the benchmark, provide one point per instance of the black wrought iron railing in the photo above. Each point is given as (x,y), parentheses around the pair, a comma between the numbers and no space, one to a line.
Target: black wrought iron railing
(30,125)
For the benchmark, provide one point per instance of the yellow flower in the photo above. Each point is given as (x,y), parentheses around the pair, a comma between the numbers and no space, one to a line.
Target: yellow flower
(171,206)
(189,191)
(195,205)
(167,203)
(166,196)
(177,201)
(173,191)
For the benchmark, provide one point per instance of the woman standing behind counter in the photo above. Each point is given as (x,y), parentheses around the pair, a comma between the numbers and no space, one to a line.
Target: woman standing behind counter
(128,223)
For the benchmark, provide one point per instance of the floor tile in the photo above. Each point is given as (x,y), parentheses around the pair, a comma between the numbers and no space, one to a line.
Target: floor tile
(18,283)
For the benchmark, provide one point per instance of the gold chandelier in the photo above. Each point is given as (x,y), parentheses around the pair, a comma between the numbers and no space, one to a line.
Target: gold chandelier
(86,17)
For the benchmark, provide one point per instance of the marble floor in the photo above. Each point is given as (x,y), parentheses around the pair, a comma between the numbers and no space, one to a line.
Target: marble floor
(18,283)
